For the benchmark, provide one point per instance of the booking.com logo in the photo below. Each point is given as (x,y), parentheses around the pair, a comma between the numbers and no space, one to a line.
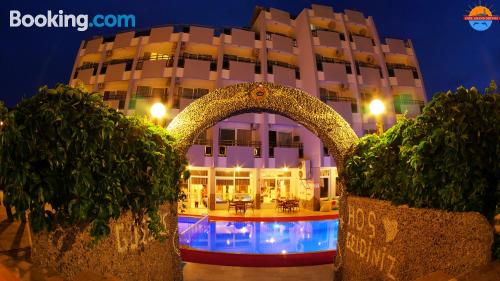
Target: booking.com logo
(80,22)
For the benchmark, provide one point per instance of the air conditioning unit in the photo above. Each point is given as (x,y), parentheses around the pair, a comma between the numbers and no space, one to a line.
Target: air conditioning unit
(109,53)
(370,59)
(100,86)
(338,53)
(304,169)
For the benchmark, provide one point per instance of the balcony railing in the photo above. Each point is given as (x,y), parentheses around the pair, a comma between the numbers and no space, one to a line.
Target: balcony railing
(240,143)
(286,144)
(120,96)
(361,35)
(406,41)
(370,65)
(270,64)
(128,65)
(169,60)
(392,66)
(87,65)
(320,59)
(399,104)
(227,58)
(316,29)
(213,61)
(269,37)
(227,31)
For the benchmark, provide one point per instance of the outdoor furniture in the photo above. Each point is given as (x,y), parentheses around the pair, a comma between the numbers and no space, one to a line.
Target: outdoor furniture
(250,204)
(240,206)
(230,204)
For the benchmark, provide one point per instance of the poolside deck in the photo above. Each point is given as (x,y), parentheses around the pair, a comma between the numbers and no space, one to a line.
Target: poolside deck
(260,214)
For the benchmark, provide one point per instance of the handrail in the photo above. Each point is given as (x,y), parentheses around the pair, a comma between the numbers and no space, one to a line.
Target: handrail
(197,227)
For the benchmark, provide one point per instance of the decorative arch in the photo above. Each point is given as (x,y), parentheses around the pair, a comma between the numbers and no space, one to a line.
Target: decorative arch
(293,103)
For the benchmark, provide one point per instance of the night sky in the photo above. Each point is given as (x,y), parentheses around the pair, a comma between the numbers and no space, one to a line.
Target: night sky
(450,52)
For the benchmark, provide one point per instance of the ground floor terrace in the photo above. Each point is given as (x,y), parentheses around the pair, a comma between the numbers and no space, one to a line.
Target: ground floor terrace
(215,188)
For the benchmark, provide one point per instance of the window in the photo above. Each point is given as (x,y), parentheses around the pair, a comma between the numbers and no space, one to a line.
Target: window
(222,151)
(326,152)
(323,187)
(243,137)
(227,135)
(188,93)
(257,152)
(208,150)
(284,139)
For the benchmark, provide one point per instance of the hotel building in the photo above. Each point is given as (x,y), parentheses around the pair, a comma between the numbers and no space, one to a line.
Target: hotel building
(334,56)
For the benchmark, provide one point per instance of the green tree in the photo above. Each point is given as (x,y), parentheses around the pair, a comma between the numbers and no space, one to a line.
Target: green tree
(66,149)
(448,158)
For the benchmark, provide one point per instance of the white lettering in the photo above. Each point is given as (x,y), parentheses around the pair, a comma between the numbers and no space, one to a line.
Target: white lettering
(15,18)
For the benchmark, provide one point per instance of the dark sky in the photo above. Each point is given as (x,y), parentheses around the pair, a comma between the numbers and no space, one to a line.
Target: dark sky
(450,52)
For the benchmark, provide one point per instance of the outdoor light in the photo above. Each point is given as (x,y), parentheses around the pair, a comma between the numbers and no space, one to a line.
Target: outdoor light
(377,107)
(238,168)
(189,167)
(158,110)
(285,168)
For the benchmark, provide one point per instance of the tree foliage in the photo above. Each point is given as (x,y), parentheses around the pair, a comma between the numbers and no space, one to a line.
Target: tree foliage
(448,158)
(66,149)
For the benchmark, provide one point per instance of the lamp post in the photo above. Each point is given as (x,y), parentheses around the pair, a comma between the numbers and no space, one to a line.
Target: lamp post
(377,108)
(158,112)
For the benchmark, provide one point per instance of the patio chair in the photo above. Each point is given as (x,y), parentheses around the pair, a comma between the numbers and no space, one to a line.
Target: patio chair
(230,204)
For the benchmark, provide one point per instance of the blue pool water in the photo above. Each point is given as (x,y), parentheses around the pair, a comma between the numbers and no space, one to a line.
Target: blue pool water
(258,237)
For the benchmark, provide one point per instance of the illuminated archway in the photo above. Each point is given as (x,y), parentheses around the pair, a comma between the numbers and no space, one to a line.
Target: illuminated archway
(293,103)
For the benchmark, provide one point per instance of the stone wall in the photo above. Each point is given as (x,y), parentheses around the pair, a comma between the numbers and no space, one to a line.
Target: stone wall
(386,242)
(128,253)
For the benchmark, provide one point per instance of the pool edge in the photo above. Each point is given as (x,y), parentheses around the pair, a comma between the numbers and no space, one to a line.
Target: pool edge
(258,260)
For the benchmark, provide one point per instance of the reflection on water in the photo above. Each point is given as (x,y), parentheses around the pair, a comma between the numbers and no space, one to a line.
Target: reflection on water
(262,237)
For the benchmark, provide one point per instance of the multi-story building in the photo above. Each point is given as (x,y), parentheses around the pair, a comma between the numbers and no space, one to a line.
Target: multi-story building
(336,57)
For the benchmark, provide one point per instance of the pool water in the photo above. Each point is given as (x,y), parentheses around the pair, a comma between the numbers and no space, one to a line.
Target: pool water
(258,237)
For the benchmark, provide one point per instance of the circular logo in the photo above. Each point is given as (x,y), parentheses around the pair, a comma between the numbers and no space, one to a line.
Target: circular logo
(259,93)
(481,14)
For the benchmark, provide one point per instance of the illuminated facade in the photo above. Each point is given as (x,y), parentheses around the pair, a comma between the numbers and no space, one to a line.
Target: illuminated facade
(336,57)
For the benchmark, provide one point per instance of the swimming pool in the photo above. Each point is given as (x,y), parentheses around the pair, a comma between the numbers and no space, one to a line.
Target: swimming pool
(271,239)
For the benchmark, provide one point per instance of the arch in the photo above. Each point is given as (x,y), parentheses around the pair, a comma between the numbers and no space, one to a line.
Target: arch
(293,103)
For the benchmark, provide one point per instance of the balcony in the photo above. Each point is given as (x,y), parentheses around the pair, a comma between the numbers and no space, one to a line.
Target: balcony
(187,96)
(197,66)
(334,69)
(345,106)
(281,42)
(397,46)
(240,68)
(115,99)
(144,95)
(115,69)
(370,73)
(328,38)
(248,143)
(153,66)
(409,107)
(363,42)
(242,36)
(283,73)
(86,71)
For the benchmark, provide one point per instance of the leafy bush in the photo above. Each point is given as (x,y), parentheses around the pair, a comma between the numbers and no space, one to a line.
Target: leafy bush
(66,149)
(448,158)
